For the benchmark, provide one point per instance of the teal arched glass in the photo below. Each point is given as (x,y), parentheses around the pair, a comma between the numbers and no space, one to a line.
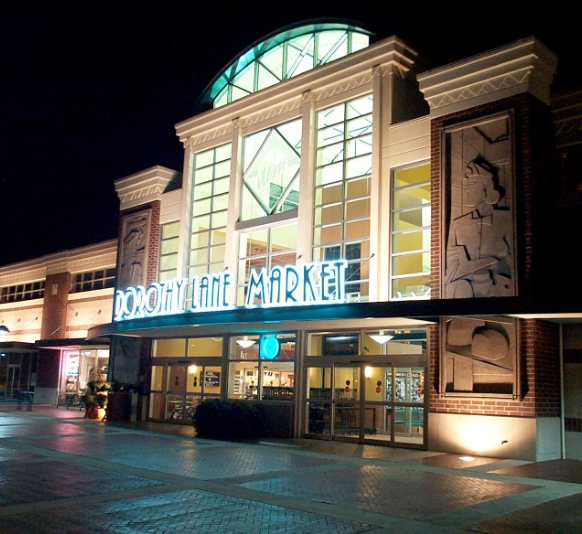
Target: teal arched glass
(283,55)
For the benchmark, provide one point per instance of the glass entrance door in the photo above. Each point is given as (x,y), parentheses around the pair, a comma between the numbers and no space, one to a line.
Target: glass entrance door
(366,403)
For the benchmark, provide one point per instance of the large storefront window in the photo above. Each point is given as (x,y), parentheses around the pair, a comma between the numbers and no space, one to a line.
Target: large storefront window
(210,187)
(367,386)
(410,269)
(17,371)
(265,247)
(271,161)
(262,367)
(342,191)
(184,373)
(79,367)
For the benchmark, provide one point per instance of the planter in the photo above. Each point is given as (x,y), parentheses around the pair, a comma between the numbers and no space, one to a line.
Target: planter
(95,412)
(119,406)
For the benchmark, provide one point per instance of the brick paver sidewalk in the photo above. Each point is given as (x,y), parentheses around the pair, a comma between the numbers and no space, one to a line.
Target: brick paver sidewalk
(70,475)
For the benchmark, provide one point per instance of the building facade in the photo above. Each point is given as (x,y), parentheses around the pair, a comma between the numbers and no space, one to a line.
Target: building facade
(363,248)
(47,306)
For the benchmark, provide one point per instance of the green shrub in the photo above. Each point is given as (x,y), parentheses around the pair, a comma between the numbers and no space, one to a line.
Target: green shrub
(229,420)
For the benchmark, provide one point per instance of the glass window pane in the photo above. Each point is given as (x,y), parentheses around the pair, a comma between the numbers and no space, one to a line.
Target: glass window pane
(411,220)
(329,116)
(223,152)
(329,234)
(409,241)
(219,219)
(411,287)
(217,254)
(221,186)
(222,169)
(357,229)
(411,264)
(198,256)
(328,194)
(359,166)
(358,187)
(330,174)
(169,246)
(412,175)
(202,191)
(218,237)
(169,347)
(220,203)
(201,207)
(199,240)
(203,159)
(168,230)
(200,223)
(205,346)
(358,209)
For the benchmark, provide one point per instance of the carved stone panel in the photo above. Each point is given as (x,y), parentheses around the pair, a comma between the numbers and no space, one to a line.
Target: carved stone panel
(479,356)
(480,259)
(134,247)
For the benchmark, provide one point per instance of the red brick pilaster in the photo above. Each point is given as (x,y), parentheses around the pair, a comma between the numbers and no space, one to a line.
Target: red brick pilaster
(56,299)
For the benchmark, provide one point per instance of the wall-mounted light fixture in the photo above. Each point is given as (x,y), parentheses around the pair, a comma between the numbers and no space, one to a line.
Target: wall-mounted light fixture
(4,330)
(368,371)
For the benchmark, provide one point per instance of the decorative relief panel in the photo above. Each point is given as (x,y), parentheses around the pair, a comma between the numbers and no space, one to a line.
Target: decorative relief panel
(134,246)
(479,356)
(480,258)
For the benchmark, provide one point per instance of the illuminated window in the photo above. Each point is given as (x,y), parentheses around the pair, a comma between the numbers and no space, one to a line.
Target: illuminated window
(168,269)
(342,190)
(410,274)
(265,247)
(271,161)
(262,367)
(210,185)
(282,56)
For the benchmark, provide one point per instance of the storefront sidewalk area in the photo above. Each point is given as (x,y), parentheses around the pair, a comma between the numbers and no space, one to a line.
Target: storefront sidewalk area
(61,473)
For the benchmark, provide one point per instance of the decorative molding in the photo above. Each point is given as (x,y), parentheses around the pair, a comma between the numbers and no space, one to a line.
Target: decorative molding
(23,276)
(478,89)
(567,114)
(392,53)
(344,85)
(95,262)
(523,66)
(210,135)
(144,187)
(275,111)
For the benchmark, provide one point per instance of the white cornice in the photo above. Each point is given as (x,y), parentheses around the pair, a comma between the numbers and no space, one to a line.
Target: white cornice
(567,114)
(524,66)
(143,187)
(390,55)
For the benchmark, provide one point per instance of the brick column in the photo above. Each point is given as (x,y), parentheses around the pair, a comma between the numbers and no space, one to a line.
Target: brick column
(56,299)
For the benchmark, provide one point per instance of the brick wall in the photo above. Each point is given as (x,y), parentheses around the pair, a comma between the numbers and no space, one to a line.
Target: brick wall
(539,376)
(56,298)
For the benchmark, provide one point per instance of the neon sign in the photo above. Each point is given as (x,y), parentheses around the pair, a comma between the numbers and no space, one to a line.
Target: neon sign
(289,285)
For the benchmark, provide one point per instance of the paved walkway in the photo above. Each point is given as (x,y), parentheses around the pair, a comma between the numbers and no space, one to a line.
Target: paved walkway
(60,473)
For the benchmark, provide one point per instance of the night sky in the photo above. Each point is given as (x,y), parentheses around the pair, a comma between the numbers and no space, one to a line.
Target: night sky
(90,91)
